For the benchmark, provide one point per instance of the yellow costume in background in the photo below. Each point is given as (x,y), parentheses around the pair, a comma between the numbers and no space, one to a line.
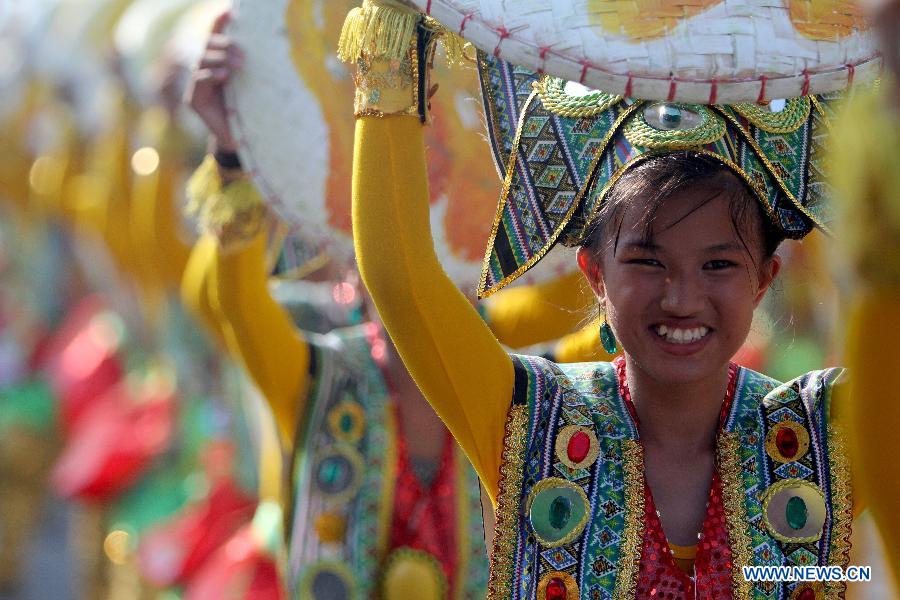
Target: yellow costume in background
(866,167)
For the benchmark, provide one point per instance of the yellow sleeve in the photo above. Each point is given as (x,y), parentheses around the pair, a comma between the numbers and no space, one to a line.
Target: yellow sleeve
(259,332)
(196,291)
(582,346)
(156,221)
(866,145)
(528,315)
(454,358)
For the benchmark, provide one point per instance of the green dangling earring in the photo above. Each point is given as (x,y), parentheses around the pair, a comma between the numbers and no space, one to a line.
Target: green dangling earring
(607,337)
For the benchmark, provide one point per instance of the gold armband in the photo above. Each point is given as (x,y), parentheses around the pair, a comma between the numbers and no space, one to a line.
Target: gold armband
(393,47)
(233,212)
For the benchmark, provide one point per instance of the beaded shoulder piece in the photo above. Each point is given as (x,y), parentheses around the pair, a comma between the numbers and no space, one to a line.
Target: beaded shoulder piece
(569,436)
(561,148)
(571,507)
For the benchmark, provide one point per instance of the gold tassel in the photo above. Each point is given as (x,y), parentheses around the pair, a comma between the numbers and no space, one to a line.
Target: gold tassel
(201,186)
(379,30)
(455,47)
(235,214)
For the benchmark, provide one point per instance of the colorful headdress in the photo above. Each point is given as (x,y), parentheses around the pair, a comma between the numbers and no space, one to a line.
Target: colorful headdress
(563,146)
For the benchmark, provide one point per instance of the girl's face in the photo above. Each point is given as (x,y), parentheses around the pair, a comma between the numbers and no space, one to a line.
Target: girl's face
(680,305)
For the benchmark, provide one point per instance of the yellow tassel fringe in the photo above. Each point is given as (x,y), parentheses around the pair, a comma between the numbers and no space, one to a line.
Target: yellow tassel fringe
(379,30)
(384,29)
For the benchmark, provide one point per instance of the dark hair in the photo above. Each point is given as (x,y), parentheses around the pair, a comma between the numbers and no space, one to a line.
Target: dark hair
(660,176)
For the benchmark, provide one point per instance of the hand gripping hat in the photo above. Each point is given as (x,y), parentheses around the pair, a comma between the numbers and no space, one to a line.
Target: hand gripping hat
(564,146)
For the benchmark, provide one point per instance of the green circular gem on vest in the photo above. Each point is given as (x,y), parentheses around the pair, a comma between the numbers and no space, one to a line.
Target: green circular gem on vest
(337,473)
(560,512)
(346,423)
(334,472)
(327,580)
(557,511)
(796,512)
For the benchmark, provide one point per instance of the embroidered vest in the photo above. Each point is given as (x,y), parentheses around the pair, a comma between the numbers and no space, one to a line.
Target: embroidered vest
(571,515)
(343,483)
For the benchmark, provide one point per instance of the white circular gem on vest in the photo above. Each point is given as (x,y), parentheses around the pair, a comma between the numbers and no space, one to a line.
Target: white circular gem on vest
(557,510)
(794,511)
(577,447)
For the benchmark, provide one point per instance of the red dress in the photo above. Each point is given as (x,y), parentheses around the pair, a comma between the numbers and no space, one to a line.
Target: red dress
(659,575)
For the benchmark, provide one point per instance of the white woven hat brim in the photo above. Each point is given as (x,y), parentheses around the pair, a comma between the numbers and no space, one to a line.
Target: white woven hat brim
(734,51)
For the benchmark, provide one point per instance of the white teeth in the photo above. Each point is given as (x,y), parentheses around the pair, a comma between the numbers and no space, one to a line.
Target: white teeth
(682,336)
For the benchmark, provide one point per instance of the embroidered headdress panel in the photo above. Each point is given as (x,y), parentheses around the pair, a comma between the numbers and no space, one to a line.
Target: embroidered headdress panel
(561,147)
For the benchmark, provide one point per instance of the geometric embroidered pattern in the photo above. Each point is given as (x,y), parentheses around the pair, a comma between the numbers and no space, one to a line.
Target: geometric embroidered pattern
(559,164)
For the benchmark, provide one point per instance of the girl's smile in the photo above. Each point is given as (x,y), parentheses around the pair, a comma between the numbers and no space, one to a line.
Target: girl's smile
(680,293)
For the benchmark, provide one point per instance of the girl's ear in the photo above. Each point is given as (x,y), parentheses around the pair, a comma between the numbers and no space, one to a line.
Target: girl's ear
(589,264)
(767,273)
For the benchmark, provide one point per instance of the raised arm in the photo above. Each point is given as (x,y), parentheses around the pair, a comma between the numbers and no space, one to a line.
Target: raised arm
(454,358)
(255,328)
(156,222)
(259,332)
(196,288)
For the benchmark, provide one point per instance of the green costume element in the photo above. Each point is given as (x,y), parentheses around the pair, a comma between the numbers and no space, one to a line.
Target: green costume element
(785,483)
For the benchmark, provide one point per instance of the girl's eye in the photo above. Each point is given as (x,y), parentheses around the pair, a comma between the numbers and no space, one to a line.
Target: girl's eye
(651,262)
(715,265)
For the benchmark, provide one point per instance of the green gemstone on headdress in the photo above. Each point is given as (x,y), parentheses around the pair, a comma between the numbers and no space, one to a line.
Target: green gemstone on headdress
(796,512)
(670,116)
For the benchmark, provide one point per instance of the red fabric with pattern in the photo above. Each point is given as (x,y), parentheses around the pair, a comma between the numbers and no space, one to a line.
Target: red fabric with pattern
(425,518)
(658,575)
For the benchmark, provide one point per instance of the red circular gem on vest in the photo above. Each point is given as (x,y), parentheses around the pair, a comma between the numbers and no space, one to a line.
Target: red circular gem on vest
(579,446)
(807,594)
(556,590)
(787,443)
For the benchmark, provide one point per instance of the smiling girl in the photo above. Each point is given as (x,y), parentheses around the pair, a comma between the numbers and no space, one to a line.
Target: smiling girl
(663,473)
